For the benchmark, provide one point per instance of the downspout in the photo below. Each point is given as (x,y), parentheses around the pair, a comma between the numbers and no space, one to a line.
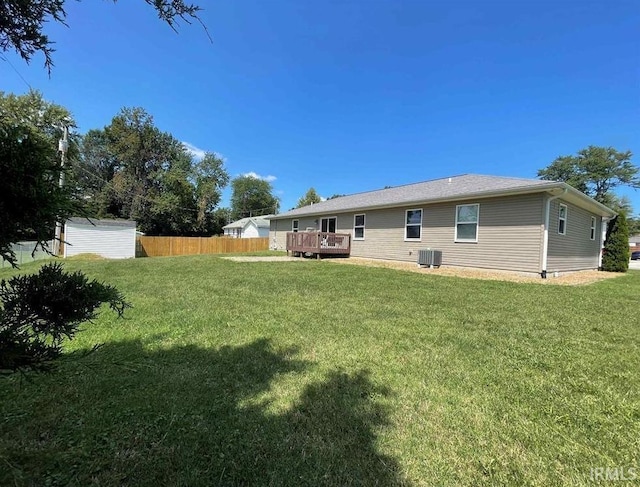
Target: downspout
(545,238)
(603,236)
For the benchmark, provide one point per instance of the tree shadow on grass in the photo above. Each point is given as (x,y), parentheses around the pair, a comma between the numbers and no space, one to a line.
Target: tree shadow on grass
(191,416)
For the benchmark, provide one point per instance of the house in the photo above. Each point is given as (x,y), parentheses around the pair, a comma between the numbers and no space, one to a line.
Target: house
(524,225)
(250,227)
(112,239)
(634,243)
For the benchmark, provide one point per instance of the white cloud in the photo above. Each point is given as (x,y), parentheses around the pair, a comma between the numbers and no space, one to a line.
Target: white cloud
(196,152)
(254,175)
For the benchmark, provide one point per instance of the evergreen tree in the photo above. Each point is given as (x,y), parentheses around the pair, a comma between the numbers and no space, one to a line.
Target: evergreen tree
(616,246)
(22,23)
(311,197)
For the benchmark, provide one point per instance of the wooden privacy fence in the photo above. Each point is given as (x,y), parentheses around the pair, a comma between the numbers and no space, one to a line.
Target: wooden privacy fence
(166,246)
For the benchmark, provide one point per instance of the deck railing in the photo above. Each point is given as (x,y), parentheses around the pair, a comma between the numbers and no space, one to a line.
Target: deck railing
(319,243)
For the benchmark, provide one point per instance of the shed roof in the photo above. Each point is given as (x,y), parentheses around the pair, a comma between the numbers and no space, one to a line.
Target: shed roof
(101,222)
(463,187)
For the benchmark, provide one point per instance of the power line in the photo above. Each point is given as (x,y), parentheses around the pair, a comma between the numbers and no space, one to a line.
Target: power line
(17,72)
(151,200)
(131,193)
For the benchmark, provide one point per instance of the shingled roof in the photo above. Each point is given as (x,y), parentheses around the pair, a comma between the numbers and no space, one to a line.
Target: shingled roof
(260,222)
(461,187)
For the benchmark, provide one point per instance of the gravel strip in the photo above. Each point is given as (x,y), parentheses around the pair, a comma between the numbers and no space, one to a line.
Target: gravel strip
(578,278)
(569,279)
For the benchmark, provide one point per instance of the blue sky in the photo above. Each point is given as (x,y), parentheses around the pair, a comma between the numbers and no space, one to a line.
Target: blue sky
(349,96)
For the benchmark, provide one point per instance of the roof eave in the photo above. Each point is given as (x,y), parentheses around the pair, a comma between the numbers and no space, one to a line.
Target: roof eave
(479,195)
(589,203)
(583,199)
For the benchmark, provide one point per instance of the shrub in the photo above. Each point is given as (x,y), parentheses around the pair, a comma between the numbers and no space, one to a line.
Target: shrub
(39,311)
(615,256)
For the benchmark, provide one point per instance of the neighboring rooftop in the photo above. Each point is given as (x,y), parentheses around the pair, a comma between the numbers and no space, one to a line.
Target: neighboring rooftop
(456,187)
(259,221)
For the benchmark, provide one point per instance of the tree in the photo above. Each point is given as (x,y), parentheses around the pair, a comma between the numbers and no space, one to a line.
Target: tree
(218,219)
(252,197)
(620,204)
(596,171)
(93,175)
(615,257)
(22,22)
(31,202)
(133,170)
(37,311)
(311,197)
(210,178)
(337,195)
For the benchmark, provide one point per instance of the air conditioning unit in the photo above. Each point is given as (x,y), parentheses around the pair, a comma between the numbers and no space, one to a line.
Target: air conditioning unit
(431,258)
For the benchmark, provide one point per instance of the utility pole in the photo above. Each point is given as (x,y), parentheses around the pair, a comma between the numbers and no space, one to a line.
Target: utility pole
(63,145)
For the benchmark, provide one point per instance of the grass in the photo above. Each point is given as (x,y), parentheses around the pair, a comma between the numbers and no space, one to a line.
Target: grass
(312,373)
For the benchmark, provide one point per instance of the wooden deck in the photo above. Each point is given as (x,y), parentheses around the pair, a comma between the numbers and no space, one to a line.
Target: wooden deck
(319,243)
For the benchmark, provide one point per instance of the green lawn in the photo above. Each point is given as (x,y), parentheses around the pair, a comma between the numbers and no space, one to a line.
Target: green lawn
(313,373)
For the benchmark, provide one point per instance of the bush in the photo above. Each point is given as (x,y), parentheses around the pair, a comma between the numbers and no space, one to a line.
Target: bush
(615,256)
(39,311)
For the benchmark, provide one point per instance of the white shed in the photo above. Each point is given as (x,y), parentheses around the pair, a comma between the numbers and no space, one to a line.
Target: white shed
(112,239)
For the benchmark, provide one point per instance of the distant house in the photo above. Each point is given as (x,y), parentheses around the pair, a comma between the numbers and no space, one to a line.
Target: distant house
(112,239)
(250,227)
(634,241)
(514,224)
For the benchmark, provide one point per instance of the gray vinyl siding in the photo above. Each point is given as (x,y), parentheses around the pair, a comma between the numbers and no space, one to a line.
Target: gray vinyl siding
(278,234)
(278,230)
(574,250)
(509,233)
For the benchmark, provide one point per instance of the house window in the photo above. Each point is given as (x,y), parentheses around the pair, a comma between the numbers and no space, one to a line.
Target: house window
(328,225)
(467,223)
(562,219)
(294,225)
(413,225)
(592,234)
(358,227)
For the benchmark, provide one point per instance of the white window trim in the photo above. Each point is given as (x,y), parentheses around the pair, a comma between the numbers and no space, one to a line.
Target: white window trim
(406,213)
(476,223)
(327,218)
(594,227)
(566,217)
(363,226)
(293,227)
